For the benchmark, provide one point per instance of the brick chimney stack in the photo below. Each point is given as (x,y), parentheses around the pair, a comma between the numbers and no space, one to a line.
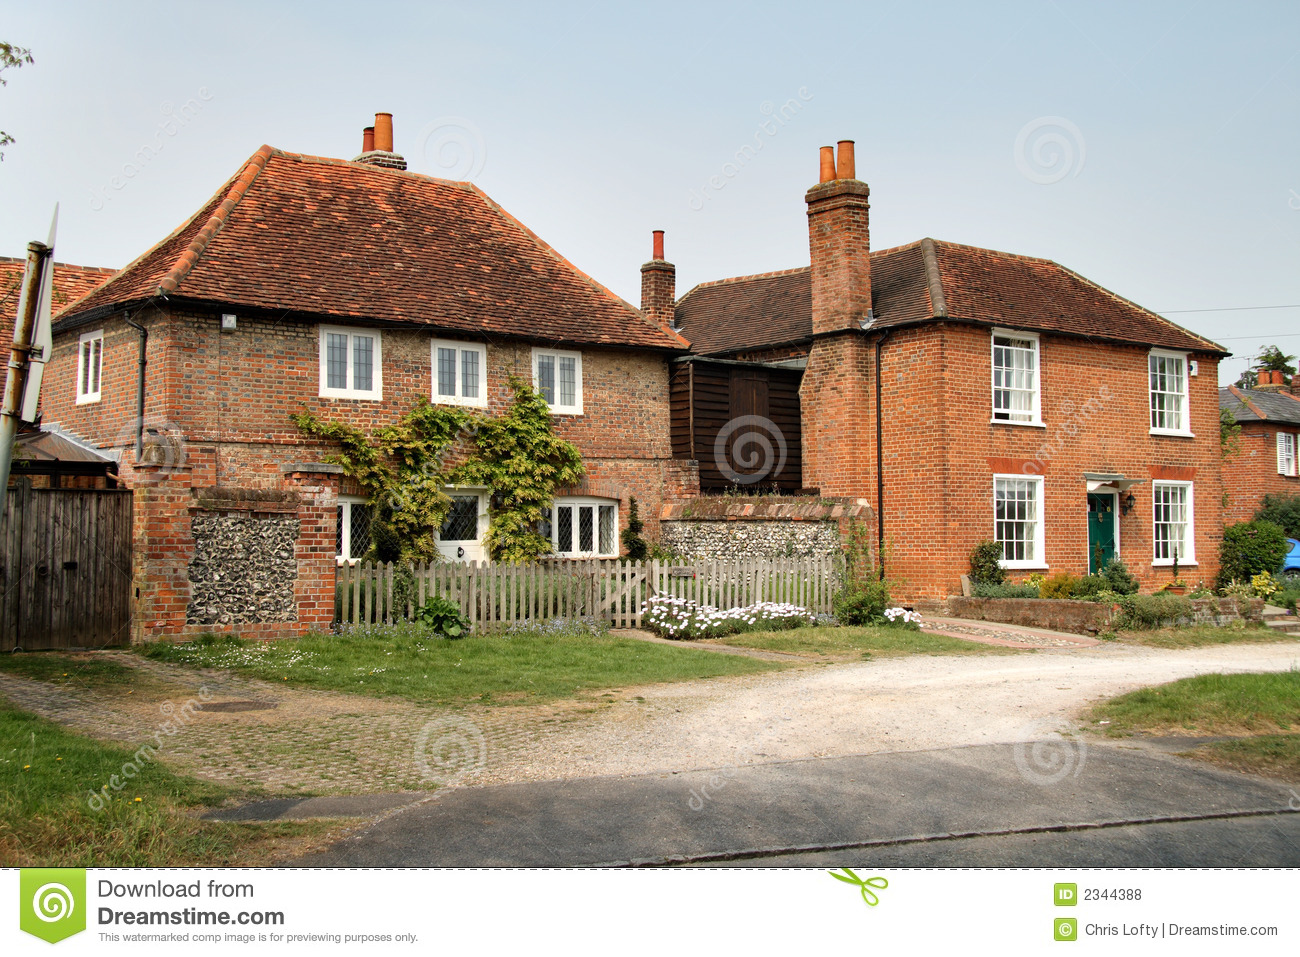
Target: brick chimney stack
(840,244)
(377,144)
(659,285)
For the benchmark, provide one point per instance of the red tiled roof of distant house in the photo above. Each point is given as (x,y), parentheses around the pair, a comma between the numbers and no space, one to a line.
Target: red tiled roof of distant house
(70,284)
(298,235)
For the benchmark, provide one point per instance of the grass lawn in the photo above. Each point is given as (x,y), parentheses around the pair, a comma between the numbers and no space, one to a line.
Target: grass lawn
(1207,705)
(870,641)
(1272,755)
(407,661)
(1198,636)
(49,775)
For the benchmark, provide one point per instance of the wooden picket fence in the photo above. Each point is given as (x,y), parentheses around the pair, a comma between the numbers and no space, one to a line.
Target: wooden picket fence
(611,590)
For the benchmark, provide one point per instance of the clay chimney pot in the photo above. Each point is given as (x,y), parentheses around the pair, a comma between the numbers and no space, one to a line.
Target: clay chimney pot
(1265,378)
(384,132)
(658,244)
(828,165)
(368,139)
(845,168)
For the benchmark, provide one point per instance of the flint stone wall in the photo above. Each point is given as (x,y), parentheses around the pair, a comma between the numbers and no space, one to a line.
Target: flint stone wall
(243,569)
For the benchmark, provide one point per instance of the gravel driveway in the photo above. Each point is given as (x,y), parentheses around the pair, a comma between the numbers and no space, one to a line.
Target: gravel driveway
(330,743)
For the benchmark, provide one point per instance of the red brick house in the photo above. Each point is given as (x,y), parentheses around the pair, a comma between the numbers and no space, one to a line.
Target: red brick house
(352,289)
(1268,448)
(970,394)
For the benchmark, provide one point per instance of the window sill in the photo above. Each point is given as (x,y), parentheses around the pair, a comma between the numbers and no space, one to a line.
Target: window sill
(1036,424)
(557,410)
(474,403)
(1173,433)
(1168,563)
(353,396)
(87,399)
(1024,566)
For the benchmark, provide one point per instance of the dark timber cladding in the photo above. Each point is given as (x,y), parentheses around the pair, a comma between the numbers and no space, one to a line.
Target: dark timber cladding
(753,407)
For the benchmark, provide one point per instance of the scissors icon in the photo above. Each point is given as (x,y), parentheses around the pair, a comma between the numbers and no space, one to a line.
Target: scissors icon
(865,886)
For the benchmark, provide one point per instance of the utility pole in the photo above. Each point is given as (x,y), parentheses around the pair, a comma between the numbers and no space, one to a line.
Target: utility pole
(38,256)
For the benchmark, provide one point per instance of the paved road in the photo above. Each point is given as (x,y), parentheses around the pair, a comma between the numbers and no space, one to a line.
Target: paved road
(1062,804)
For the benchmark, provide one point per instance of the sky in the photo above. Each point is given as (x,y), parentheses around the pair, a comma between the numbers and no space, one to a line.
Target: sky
(1151,147)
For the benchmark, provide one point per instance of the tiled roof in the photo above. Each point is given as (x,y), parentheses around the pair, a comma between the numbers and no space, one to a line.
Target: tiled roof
(1253,405)
(929,280)
(70,284)
(299,234)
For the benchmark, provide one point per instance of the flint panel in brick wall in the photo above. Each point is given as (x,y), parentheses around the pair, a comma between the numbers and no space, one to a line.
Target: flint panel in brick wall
(243,569)
(753,539)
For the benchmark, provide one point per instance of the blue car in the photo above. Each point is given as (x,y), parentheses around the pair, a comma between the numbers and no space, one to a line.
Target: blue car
(1291,567)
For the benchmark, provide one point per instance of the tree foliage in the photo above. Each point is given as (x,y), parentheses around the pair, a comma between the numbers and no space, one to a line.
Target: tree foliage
(11,57)
(1283,510)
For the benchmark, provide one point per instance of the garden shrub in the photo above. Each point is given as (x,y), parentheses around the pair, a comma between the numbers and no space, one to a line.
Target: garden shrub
(1264,585)
(986,564)
(444,617)
(1090,585)
(1145,612)
(1287,598)
(1281,510)
(1060,585)
(1250,548)
(636,548)
(1007,590)
(863,604)
(1122,581)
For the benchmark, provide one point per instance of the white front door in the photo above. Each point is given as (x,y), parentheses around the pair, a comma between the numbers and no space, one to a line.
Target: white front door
(461,537)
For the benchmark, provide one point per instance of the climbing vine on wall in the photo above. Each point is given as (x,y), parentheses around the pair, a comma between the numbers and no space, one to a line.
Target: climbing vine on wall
(521,459)
(403,470)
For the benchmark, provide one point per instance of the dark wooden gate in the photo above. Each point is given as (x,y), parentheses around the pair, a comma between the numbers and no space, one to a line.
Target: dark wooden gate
(65,568)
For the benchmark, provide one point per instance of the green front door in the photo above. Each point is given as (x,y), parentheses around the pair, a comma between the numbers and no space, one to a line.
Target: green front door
(1101,530)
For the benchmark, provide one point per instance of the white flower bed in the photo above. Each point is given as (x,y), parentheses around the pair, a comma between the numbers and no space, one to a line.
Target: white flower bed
(683,618)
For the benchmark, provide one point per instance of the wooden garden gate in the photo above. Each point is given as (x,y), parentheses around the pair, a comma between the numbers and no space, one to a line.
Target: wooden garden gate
(65,568)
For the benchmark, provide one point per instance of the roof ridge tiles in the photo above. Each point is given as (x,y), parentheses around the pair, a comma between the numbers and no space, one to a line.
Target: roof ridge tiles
(252,169)
(1246,401)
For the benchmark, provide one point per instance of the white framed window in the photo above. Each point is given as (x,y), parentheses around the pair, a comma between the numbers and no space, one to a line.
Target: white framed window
(351,363)
(582,527)
(558,377)
(352,539)
(1016,381)
(1286,453)
(459,373)
(1018,520)
(1172,520)
(90,366)
(1167,375)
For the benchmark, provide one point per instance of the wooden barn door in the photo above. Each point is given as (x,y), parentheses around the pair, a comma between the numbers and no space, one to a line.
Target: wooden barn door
(65,568)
